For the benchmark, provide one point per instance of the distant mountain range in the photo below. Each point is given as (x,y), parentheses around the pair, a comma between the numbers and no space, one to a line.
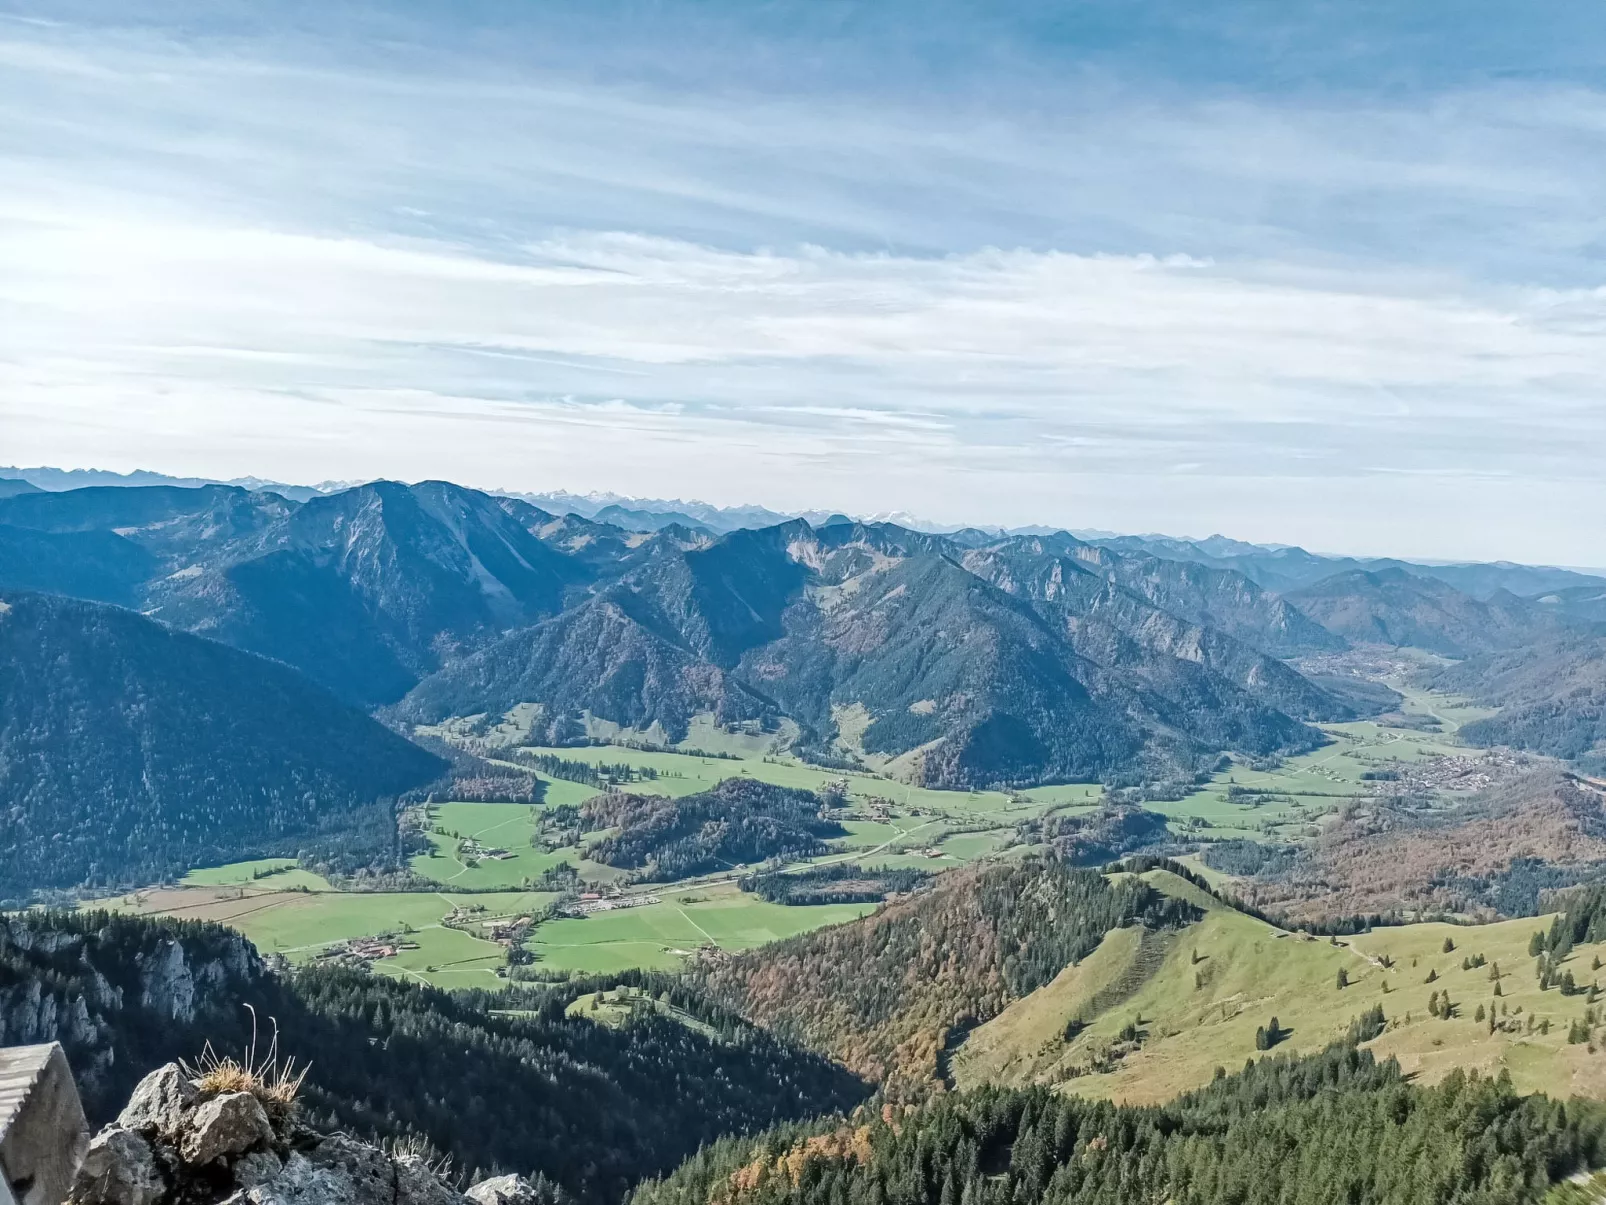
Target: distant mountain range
(1282,568)
(966,659)
(1393,607)
(1277,567)
(956,660)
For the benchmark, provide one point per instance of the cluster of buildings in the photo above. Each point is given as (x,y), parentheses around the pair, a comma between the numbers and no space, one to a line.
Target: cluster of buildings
(468,847)
(367,949)
(1448,773)
(505,931)
(595,901)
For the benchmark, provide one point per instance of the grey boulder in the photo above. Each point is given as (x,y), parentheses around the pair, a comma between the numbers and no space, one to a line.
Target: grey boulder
(226,1125)
(119,1169)
(160,1104)
(505,1190)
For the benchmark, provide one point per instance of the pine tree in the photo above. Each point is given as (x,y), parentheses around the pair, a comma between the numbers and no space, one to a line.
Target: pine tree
(1343,979)
(1432,976)
(1478,1016)
(1449,944)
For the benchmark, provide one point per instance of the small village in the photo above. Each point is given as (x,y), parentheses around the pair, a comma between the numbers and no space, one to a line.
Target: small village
(1445,773)
(591,902)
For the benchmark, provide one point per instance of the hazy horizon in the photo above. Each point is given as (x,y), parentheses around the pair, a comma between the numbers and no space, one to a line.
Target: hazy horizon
(660,504)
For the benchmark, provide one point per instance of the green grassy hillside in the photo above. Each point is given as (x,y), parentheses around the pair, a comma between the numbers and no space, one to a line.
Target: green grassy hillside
(1197,998)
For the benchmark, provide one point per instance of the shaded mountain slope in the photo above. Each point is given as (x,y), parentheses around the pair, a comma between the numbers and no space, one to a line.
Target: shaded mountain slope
(365,590)
(1122,629)
(1011,662)
(1396,608)
(977,682)
(1587,603)
(408,574)
(97,565)
(1199,593)
(594,658)
(163,519)
(130,752)
(1551,695)
(1285,569)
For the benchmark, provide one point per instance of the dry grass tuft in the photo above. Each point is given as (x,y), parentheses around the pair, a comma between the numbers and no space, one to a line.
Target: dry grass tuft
(415,1147)
(275,1083)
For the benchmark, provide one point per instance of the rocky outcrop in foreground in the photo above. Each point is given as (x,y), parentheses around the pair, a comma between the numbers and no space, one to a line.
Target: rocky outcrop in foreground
(181,1141)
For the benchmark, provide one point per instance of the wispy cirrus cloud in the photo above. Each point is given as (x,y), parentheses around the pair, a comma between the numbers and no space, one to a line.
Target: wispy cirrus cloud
(1102,307)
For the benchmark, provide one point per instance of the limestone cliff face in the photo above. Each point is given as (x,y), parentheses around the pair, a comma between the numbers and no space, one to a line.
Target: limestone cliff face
(69,983)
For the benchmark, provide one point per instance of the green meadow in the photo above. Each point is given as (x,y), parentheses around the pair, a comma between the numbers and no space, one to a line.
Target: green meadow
(661,935)
(290,911)
(1195,999)
(276,874)
(1304,789)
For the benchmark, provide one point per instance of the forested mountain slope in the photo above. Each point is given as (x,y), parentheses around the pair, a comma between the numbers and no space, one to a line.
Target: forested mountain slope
(1201,594)
(364,590)
(886,994)
(1008,665)
(1501,849)
(1333,1129)
(1551,695)
(495,1082)
(130,752)
(1393,607)
(740,821)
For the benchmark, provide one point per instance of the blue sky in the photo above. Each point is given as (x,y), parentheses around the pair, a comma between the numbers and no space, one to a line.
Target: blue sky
(1316,273)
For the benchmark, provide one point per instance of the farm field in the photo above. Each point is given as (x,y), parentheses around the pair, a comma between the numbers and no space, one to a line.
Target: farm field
(1312,785)
(659,936)
(686,774)
(959,826)
(487,855)
(303,924)
(1197,997)
(274,874)
(507,826)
